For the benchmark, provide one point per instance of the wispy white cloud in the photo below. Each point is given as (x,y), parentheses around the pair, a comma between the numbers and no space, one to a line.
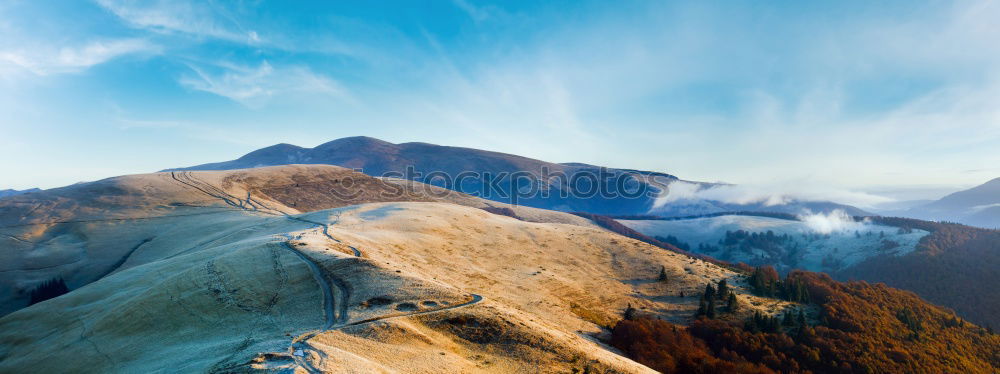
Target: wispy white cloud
(228,21)
(835,221)
(769,195)
(875,100)
(255,86)
(699,90)
(43,60)
(195,18)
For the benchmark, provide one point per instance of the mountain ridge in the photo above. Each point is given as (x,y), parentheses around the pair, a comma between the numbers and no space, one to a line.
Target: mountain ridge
(977,206)
(12,192)
(556,186)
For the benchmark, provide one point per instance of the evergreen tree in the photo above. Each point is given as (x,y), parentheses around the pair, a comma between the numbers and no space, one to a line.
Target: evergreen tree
(757,281)
(773,325)
(663,274)
(710,311)
(787,320)
(723,289)
(47,290)
(702,308)
(733,304)
(764,281)
(709,291)
(629,312)
(802,291)
(760,322)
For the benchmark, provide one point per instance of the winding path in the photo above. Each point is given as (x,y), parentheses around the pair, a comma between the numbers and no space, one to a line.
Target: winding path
(187,179)
(326,232)
(335,311)
(324,283)
(301,342)
(475,299)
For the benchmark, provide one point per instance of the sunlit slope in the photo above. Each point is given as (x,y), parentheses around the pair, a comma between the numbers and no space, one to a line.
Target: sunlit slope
(435,284)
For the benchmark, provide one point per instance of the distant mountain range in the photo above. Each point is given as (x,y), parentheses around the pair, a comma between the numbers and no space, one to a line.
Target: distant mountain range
(5,193)
(509,178)
(977,206)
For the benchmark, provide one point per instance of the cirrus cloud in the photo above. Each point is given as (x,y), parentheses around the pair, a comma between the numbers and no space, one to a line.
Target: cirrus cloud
(255,86)
(42,60)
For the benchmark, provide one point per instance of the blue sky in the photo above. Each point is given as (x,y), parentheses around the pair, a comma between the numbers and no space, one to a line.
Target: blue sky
(841,96)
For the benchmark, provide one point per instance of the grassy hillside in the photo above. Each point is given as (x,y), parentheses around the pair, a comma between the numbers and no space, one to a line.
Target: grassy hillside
(242,280)
(273,269)
(87,231)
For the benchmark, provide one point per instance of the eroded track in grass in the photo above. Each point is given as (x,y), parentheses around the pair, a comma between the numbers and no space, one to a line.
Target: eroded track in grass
(250,204)
(302,341)
(335,292)
(326,284)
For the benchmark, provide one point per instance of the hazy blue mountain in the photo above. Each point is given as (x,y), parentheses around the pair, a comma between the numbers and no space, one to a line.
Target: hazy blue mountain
(577,190)
(977,206)
(9,192)
(984,194)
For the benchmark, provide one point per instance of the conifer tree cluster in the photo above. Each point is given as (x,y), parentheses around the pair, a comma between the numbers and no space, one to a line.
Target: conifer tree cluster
(762,323)
(710,299)
(765,282)
(47,290)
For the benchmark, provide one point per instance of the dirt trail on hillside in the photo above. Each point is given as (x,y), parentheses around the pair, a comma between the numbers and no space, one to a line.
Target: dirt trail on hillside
(302,342)
(324,281)
(248,204)
(334,303)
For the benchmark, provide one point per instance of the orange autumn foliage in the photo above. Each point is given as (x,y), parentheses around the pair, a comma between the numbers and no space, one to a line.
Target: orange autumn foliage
(863,328)
(955,266)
